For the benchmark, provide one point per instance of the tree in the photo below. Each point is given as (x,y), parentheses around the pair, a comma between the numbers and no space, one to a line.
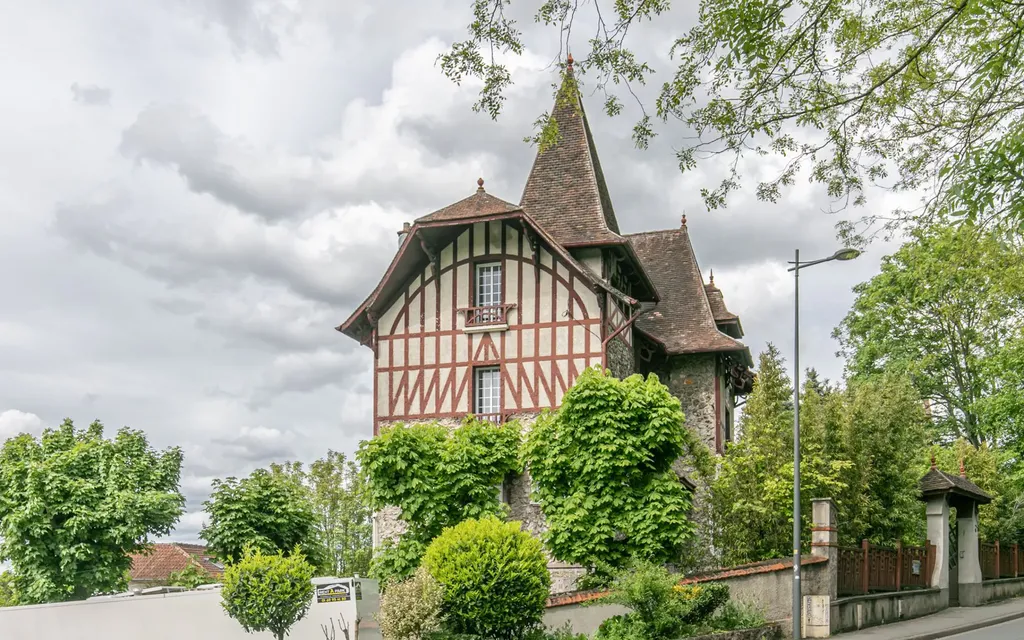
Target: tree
(337,492)
(266,511)
(860,446)
(74,505)
(752,496)
(602,471)
(996,473)
(879,428)
(190,577)
(947,310)
(898,94)
(268,592)
(437,477)
(8,592)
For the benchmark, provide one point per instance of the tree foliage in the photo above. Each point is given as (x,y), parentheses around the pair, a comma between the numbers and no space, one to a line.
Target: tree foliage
(947,310)
(8,590)
(903,95)
(437,477)
(336,491)
(266,511)
(880,428)
(494,577)
(997,473)
(268,592)
(73,505)
(602,471)
(190,577)
(860,446)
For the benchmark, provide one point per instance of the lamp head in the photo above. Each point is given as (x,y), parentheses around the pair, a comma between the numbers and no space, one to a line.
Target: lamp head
(846,254)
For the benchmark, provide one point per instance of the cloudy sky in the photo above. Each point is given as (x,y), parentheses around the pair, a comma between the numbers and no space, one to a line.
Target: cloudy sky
(193,193)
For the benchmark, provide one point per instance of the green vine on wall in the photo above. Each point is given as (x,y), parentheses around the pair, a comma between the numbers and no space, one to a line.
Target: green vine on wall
(602,470)
(437,477)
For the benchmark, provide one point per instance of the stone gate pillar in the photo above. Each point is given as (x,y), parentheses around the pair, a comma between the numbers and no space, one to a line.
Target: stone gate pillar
(818,594)
(970,558)
(937,511)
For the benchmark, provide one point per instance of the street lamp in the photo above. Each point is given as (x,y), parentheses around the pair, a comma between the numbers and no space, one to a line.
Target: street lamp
(843,254)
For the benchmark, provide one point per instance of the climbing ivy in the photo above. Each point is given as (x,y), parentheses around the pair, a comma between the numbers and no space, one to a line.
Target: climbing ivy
(602,470)
(437,477)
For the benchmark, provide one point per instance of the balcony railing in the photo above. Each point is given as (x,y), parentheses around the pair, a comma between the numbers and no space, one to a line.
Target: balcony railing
(487,316)
(490,417)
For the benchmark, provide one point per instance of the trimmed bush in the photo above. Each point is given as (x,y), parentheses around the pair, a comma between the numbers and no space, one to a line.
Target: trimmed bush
(495,578)
(268,593)
(411,609)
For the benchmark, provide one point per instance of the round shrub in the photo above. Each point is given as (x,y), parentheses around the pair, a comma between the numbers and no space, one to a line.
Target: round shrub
(495,578)
(268,593)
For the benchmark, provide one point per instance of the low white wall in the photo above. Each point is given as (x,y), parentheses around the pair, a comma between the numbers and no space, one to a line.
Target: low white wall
(191,615)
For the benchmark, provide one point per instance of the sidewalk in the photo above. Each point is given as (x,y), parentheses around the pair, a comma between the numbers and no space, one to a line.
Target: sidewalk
(943,624)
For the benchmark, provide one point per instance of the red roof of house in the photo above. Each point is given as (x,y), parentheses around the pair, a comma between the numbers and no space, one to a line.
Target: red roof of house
(683,322)
(480,204)
(165,558)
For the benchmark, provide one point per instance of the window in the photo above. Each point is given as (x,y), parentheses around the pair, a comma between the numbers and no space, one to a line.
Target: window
(487,392)
(488,285)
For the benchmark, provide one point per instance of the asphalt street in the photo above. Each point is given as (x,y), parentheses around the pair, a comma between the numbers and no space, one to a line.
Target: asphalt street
(1013,630)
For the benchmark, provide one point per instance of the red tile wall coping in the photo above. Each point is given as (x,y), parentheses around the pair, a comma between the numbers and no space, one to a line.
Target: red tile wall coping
(766,566)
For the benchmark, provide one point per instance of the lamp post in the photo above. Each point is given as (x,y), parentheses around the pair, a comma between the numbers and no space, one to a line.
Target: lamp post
(842,254)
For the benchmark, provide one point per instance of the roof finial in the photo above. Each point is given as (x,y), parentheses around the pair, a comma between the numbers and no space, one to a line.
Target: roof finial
(569,62)
(712,271)
(683,221)
(933,461)
(479,184)
(963,471)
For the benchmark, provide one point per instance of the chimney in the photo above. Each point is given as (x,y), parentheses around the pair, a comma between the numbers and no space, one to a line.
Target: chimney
(403,233)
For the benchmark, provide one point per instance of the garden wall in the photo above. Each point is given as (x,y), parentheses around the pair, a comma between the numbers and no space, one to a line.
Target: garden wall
(857,612)
(768,586)
(993,590)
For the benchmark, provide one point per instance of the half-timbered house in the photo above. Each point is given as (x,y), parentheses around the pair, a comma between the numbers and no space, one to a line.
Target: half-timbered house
(494,308)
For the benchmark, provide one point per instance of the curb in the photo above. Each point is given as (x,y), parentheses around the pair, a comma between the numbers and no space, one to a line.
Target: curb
(964,628)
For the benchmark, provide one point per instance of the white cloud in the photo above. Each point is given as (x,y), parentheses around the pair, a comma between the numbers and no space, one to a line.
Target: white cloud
(14,422)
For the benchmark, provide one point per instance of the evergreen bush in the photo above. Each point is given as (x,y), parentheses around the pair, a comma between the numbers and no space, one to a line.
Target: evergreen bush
(495,578)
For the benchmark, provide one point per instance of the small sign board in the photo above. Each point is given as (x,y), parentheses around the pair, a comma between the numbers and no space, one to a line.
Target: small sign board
(337,592)
(358,588)
(915,567)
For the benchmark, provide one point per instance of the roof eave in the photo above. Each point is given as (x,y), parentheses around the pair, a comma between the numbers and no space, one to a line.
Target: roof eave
(580,270)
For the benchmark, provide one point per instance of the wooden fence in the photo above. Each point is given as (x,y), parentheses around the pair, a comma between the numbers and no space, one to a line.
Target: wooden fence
(1000,561)
(871,568)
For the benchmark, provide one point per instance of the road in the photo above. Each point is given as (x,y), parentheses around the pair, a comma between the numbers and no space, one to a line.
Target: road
(1013,630)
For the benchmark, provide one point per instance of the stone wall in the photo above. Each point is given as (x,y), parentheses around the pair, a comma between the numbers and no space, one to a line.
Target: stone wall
(692,379)
(621,359)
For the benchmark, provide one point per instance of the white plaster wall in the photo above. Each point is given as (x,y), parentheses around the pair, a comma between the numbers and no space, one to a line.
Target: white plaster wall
(193,615)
